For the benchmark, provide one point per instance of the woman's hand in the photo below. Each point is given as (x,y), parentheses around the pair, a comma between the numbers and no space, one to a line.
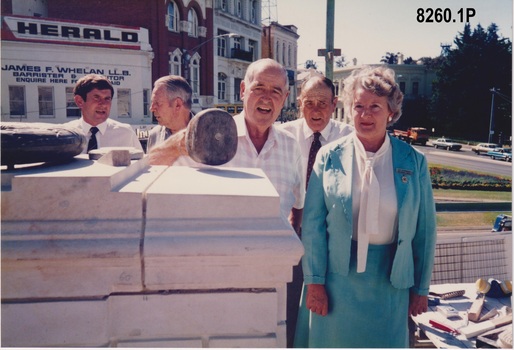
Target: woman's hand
(317,300)
(418,304)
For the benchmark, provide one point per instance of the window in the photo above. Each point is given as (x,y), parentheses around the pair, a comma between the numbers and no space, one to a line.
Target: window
(72,111)
(237,89)
(402,86)
(222,44)
(175,67)
(283,53)
(124,103)
(195,75)
(253,11)
(289,56)
(222,85)
(17,101)
(415,88)
(172,18)
(237,43)
(146,102)
(223,5)
(192,18)
(252,47)
(239,8)
(277,55)
(46,101)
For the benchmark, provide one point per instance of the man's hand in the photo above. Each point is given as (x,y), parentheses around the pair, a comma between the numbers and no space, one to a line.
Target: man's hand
(418,304)
(317,300)
(170,150)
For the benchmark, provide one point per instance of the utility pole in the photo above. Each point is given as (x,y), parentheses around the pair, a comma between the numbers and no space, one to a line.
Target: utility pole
(329,52)
(329,57)
(491,120)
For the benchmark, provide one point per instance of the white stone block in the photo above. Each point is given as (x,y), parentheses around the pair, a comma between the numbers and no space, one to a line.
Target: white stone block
(81,323)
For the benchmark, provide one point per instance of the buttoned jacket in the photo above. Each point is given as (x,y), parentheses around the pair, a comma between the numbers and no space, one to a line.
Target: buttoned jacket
(327,226)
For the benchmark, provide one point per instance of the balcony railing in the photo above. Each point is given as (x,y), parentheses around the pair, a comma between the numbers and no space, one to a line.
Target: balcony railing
(242,55)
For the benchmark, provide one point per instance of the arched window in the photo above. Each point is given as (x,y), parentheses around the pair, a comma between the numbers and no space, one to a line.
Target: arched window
(192,18)
(222,86)
(175,62)
(172,17)
(283,53)
(194,67)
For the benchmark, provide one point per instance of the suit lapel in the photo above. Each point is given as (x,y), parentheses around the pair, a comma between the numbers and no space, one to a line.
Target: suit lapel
(341,163)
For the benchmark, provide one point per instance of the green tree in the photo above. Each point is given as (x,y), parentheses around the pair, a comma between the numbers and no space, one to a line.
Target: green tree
(341,62)
(390,58)
(461,101)
(310,64)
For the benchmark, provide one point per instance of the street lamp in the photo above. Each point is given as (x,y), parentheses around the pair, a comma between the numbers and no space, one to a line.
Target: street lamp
(188,54)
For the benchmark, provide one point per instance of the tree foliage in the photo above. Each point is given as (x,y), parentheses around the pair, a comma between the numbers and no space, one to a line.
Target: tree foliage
(310,64)
(390,58)
(461,101)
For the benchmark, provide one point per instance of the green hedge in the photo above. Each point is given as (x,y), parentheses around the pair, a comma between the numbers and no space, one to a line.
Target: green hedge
(447,178)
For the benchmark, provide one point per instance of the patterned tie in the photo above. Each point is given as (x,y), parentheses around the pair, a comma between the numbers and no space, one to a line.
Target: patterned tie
(93,144)
(315,146)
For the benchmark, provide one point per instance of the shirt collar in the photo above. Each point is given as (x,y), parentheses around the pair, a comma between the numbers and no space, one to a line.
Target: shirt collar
(325,133)
(86,126)
(242,130)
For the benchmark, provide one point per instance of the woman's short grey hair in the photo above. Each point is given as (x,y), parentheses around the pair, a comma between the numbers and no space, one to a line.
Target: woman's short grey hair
(378,80)
(176,86)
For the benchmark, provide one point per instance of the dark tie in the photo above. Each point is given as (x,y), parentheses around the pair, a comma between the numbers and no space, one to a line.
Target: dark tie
(93,144)
(315,146)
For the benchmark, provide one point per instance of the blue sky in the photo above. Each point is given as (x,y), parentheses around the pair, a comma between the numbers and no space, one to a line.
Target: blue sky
(367,29)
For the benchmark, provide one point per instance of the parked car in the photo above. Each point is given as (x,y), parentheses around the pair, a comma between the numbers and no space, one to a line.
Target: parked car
(501,153)
(502,223)
(448,144)
(484,147)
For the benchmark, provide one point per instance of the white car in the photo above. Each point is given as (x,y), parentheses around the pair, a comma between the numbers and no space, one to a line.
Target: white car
(484,147)
(448,144)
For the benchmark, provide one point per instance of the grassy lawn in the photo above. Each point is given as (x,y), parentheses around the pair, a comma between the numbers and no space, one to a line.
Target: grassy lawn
(470,219)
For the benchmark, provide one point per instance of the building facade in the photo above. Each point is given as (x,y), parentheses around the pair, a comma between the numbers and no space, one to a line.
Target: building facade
(43,58)
(280,42)
(415,81)
(237,28)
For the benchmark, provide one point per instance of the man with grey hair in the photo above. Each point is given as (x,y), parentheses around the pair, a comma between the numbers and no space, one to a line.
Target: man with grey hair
(171,106)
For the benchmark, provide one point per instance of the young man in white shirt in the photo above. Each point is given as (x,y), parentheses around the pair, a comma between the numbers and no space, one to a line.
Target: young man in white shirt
(93,95)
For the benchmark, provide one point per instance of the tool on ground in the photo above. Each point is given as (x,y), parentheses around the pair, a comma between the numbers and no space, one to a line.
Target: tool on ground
(449,295)
(475,329)
(443,327)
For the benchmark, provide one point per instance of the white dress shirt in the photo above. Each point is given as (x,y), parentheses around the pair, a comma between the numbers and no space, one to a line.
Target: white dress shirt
(111,133)
(304,135)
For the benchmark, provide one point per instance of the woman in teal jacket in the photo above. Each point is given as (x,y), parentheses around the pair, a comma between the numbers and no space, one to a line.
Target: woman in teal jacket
(369,227)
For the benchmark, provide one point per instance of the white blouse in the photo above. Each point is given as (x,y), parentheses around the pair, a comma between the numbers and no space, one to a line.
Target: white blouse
(380,222)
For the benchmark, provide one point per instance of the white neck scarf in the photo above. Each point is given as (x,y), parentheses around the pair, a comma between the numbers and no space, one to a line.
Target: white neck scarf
(369,199)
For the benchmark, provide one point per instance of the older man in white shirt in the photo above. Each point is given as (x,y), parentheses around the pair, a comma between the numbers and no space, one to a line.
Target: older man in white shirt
(314,128)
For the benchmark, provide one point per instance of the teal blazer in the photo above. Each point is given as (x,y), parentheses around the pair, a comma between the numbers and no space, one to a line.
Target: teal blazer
(327,225)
